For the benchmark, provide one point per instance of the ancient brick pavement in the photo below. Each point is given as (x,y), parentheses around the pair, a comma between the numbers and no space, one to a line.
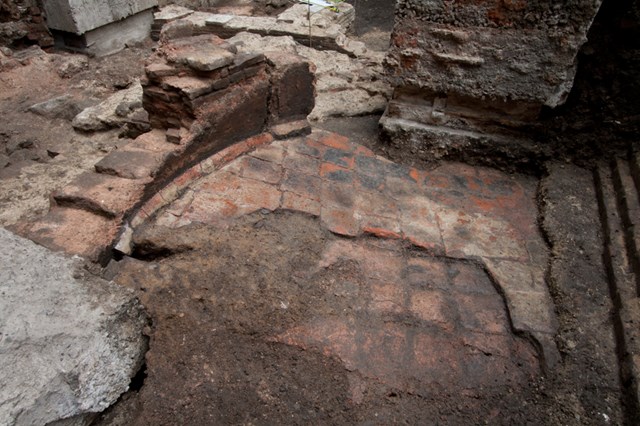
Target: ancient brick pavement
(477,292)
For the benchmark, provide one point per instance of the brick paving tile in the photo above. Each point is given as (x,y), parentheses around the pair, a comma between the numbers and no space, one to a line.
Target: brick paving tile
(294,202)
(257,169)
(431,306)
(430,318)
(340,221)
(301,163)
(306,146)
(426,274)
(307,186)
(522,276)
(375,203)
(419,222)
(531,311)
(339,158)
(484,313)
(104,194)
(334,140)
(337,194)
(417,330)
(387,297)
(334,173)
(474,235)
(273,153)
(470,279)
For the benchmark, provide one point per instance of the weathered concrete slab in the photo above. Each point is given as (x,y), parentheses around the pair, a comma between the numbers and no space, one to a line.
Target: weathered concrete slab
(80,16)
(69,342)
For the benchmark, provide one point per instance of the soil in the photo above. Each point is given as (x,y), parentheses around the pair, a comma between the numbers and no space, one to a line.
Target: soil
(217,298)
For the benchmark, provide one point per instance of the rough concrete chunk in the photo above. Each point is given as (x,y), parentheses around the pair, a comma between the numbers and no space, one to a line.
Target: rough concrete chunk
(69,343)
(115,111)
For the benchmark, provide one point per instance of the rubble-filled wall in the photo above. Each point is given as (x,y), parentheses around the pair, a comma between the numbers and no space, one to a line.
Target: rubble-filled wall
(481,67)
(22,22)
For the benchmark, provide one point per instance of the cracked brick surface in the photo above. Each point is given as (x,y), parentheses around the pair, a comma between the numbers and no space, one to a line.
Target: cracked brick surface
(456,211)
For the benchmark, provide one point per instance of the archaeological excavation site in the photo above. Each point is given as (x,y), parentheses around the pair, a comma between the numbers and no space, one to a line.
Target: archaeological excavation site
(319,212)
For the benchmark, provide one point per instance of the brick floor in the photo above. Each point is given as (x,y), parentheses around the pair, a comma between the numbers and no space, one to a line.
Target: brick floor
(481,278)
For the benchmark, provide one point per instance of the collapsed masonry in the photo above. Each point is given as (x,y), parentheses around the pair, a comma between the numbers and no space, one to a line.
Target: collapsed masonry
(475,76)
(201,96)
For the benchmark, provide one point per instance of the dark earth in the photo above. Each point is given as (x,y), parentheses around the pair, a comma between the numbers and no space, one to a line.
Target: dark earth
(215,298)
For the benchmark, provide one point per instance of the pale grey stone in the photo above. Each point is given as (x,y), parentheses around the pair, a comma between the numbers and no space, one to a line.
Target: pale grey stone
(69,342)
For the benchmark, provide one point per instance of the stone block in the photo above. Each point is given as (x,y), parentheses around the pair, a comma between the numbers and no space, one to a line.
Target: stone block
(130,164)
(71,342)
(103,194)
(81,16)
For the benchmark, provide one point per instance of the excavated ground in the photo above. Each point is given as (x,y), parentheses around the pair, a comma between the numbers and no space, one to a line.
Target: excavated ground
(272,318)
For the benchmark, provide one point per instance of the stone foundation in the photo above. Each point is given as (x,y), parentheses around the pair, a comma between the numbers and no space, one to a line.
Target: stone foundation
(465,72)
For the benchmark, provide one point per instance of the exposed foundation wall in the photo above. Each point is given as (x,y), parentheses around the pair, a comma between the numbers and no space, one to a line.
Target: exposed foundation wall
(509,49)
(472,78)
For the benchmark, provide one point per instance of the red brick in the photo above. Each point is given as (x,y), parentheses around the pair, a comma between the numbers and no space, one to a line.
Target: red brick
(431,306)
(188,176)
(74,231)
(482,313)
(273,153)
(264,171)
(301,184)
(340,221)
(337,141)
(387,297)
(301,163)
(155,203)
(332,172)
(375,203)
(295,202)
(381,227)
(364,151)
(308,146)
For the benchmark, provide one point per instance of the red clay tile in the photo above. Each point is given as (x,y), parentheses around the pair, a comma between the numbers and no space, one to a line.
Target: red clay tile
(340,221)
(431,306)
(295,202)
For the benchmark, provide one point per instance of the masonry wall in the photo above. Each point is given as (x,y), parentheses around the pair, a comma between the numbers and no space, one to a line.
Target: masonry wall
(508,49)
(22,22)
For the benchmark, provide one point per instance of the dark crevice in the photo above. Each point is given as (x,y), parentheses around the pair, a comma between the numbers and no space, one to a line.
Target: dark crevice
(630,403)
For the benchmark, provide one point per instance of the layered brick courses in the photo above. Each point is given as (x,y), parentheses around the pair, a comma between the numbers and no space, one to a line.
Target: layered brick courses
(202,98)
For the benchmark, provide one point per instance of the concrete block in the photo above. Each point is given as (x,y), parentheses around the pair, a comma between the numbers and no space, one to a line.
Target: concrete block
(81,16)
